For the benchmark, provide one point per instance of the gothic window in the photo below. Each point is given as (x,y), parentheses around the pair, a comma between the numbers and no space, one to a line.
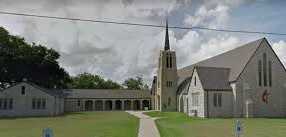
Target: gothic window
(171,62)
(167,61)
(195,82)
(259,73)
(0,103)
(264,69)
(23,90)
(270,73)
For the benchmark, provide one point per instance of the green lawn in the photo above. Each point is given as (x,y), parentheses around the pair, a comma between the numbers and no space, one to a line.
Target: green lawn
(85,124)
(175,124)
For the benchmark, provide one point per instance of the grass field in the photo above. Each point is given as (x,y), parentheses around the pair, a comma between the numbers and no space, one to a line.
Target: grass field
(85,124)
(175,124)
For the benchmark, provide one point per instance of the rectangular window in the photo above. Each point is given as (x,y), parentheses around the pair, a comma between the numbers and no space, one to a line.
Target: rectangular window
(43,103)
(195,99)
(5,104)
(0,103)
(33,103)
(39,103)
(169,83)
(259,73)
(217,99)
(270,73)
(10,103)
(23,90)
(78,103)
(264,69)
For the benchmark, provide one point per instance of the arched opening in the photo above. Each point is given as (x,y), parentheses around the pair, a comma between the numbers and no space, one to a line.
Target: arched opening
(146,104)
(127,105)
(118,105)
(88,105)
(136,105)
(108,105)
(98,105)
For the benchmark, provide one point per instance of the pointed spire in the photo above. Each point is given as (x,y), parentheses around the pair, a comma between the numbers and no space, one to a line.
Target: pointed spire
(167,44)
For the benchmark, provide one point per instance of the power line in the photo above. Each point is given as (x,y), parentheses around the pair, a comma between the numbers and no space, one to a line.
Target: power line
(140,24)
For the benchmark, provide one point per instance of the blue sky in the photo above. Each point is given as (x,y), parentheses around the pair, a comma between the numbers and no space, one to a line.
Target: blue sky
(118,52)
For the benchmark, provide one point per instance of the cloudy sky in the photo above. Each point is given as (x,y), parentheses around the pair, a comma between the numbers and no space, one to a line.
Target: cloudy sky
(120,51)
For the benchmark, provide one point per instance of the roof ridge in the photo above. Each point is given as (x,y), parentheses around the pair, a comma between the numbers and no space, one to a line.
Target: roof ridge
(211,67)
(243,45)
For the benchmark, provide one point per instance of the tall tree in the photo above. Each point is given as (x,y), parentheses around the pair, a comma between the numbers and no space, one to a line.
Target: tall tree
(135,83)
(36,63)
(90,81)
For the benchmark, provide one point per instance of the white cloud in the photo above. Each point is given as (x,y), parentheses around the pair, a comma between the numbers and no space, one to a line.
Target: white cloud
(118,51)
(209,17)
(280,50)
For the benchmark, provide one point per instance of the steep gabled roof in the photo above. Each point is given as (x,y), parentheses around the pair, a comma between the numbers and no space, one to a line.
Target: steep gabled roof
(214,79)
(52,92)
(235,60)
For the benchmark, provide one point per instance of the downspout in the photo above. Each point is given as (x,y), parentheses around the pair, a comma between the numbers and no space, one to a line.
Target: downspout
(207,104)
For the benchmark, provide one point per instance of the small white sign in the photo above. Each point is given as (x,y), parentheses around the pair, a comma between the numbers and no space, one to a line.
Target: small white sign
(48,132)
(238,128)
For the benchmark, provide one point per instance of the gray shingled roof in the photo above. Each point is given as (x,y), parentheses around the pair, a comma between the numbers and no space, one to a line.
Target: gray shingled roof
(52,92)
(106,93)
(235,60)
(214,78)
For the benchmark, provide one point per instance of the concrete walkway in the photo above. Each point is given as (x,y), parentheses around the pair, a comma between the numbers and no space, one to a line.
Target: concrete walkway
(147,127)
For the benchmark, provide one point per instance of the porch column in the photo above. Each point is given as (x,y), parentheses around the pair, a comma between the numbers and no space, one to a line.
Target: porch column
(140,105)
(132,104)
(113,104)
(122,104)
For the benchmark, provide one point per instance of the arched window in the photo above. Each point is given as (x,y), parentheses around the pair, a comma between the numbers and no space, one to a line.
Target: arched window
(195,81)
(171,63)
(270,73)
(259,73)
(167,61)
(264,69)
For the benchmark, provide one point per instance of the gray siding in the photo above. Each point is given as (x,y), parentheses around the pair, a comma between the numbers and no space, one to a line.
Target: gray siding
(248,90)
(22,104)
(226,110)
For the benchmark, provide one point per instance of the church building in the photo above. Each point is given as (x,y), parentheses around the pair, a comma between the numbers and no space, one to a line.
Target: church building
(248,81)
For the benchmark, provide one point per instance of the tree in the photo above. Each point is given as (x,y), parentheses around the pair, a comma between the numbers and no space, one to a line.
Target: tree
(36,63)
(135,83)
(90,81)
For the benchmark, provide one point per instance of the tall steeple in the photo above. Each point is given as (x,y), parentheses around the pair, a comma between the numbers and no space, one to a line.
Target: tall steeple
(167,44)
